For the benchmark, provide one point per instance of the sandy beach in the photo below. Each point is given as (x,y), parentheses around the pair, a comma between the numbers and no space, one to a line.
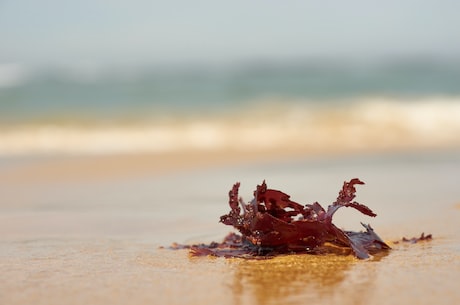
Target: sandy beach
(89,230)
(125,124)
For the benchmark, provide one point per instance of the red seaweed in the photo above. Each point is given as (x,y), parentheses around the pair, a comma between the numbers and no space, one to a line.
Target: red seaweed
(273,224)
(415,240)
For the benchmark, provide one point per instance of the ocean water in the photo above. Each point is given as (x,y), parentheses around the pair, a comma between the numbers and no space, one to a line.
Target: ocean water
(308,106)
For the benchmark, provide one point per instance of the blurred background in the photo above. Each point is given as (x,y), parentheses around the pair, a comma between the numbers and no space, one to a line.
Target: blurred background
(122,77)
(123,124)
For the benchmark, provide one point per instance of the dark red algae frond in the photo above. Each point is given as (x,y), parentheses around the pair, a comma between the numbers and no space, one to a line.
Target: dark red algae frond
(415,240)
(272,224)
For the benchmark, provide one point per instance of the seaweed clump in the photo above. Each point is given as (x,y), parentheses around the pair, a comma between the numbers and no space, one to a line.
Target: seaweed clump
(272,224)
(415,240)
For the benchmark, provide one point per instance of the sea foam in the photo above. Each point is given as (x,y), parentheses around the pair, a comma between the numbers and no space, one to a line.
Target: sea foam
(374,124)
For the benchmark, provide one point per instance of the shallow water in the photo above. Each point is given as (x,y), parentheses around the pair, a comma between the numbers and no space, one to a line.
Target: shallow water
(119,270)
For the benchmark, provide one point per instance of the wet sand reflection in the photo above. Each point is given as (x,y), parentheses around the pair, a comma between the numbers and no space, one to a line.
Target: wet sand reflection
(294,278)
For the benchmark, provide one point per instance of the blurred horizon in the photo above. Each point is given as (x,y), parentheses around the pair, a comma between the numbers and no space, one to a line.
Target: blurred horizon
(178,33)
(150,76)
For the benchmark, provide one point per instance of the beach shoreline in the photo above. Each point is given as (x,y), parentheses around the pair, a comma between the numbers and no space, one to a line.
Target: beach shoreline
(88,229)
(52,168)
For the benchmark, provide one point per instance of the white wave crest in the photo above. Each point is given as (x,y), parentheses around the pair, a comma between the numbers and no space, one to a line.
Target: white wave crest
(12,74)
(372,124)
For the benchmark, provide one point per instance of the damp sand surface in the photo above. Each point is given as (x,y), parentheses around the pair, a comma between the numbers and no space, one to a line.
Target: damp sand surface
(79,230)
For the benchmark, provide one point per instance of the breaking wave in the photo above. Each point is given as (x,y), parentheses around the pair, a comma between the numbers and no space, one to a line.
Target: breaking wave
(375,124)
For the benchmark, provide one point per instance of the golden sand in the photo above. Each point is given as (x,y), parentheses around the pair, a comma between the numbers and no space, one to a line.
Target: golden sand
(58,249)
(59,271)
(96,167)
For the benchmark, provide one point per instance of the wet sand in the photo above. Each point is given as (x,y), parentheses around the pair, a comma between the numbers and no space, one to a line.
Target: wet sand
(88,230)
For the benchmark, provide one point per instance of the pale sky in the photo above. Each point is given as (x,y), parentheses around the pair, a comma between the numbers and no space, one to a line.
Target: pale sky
(57,32)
